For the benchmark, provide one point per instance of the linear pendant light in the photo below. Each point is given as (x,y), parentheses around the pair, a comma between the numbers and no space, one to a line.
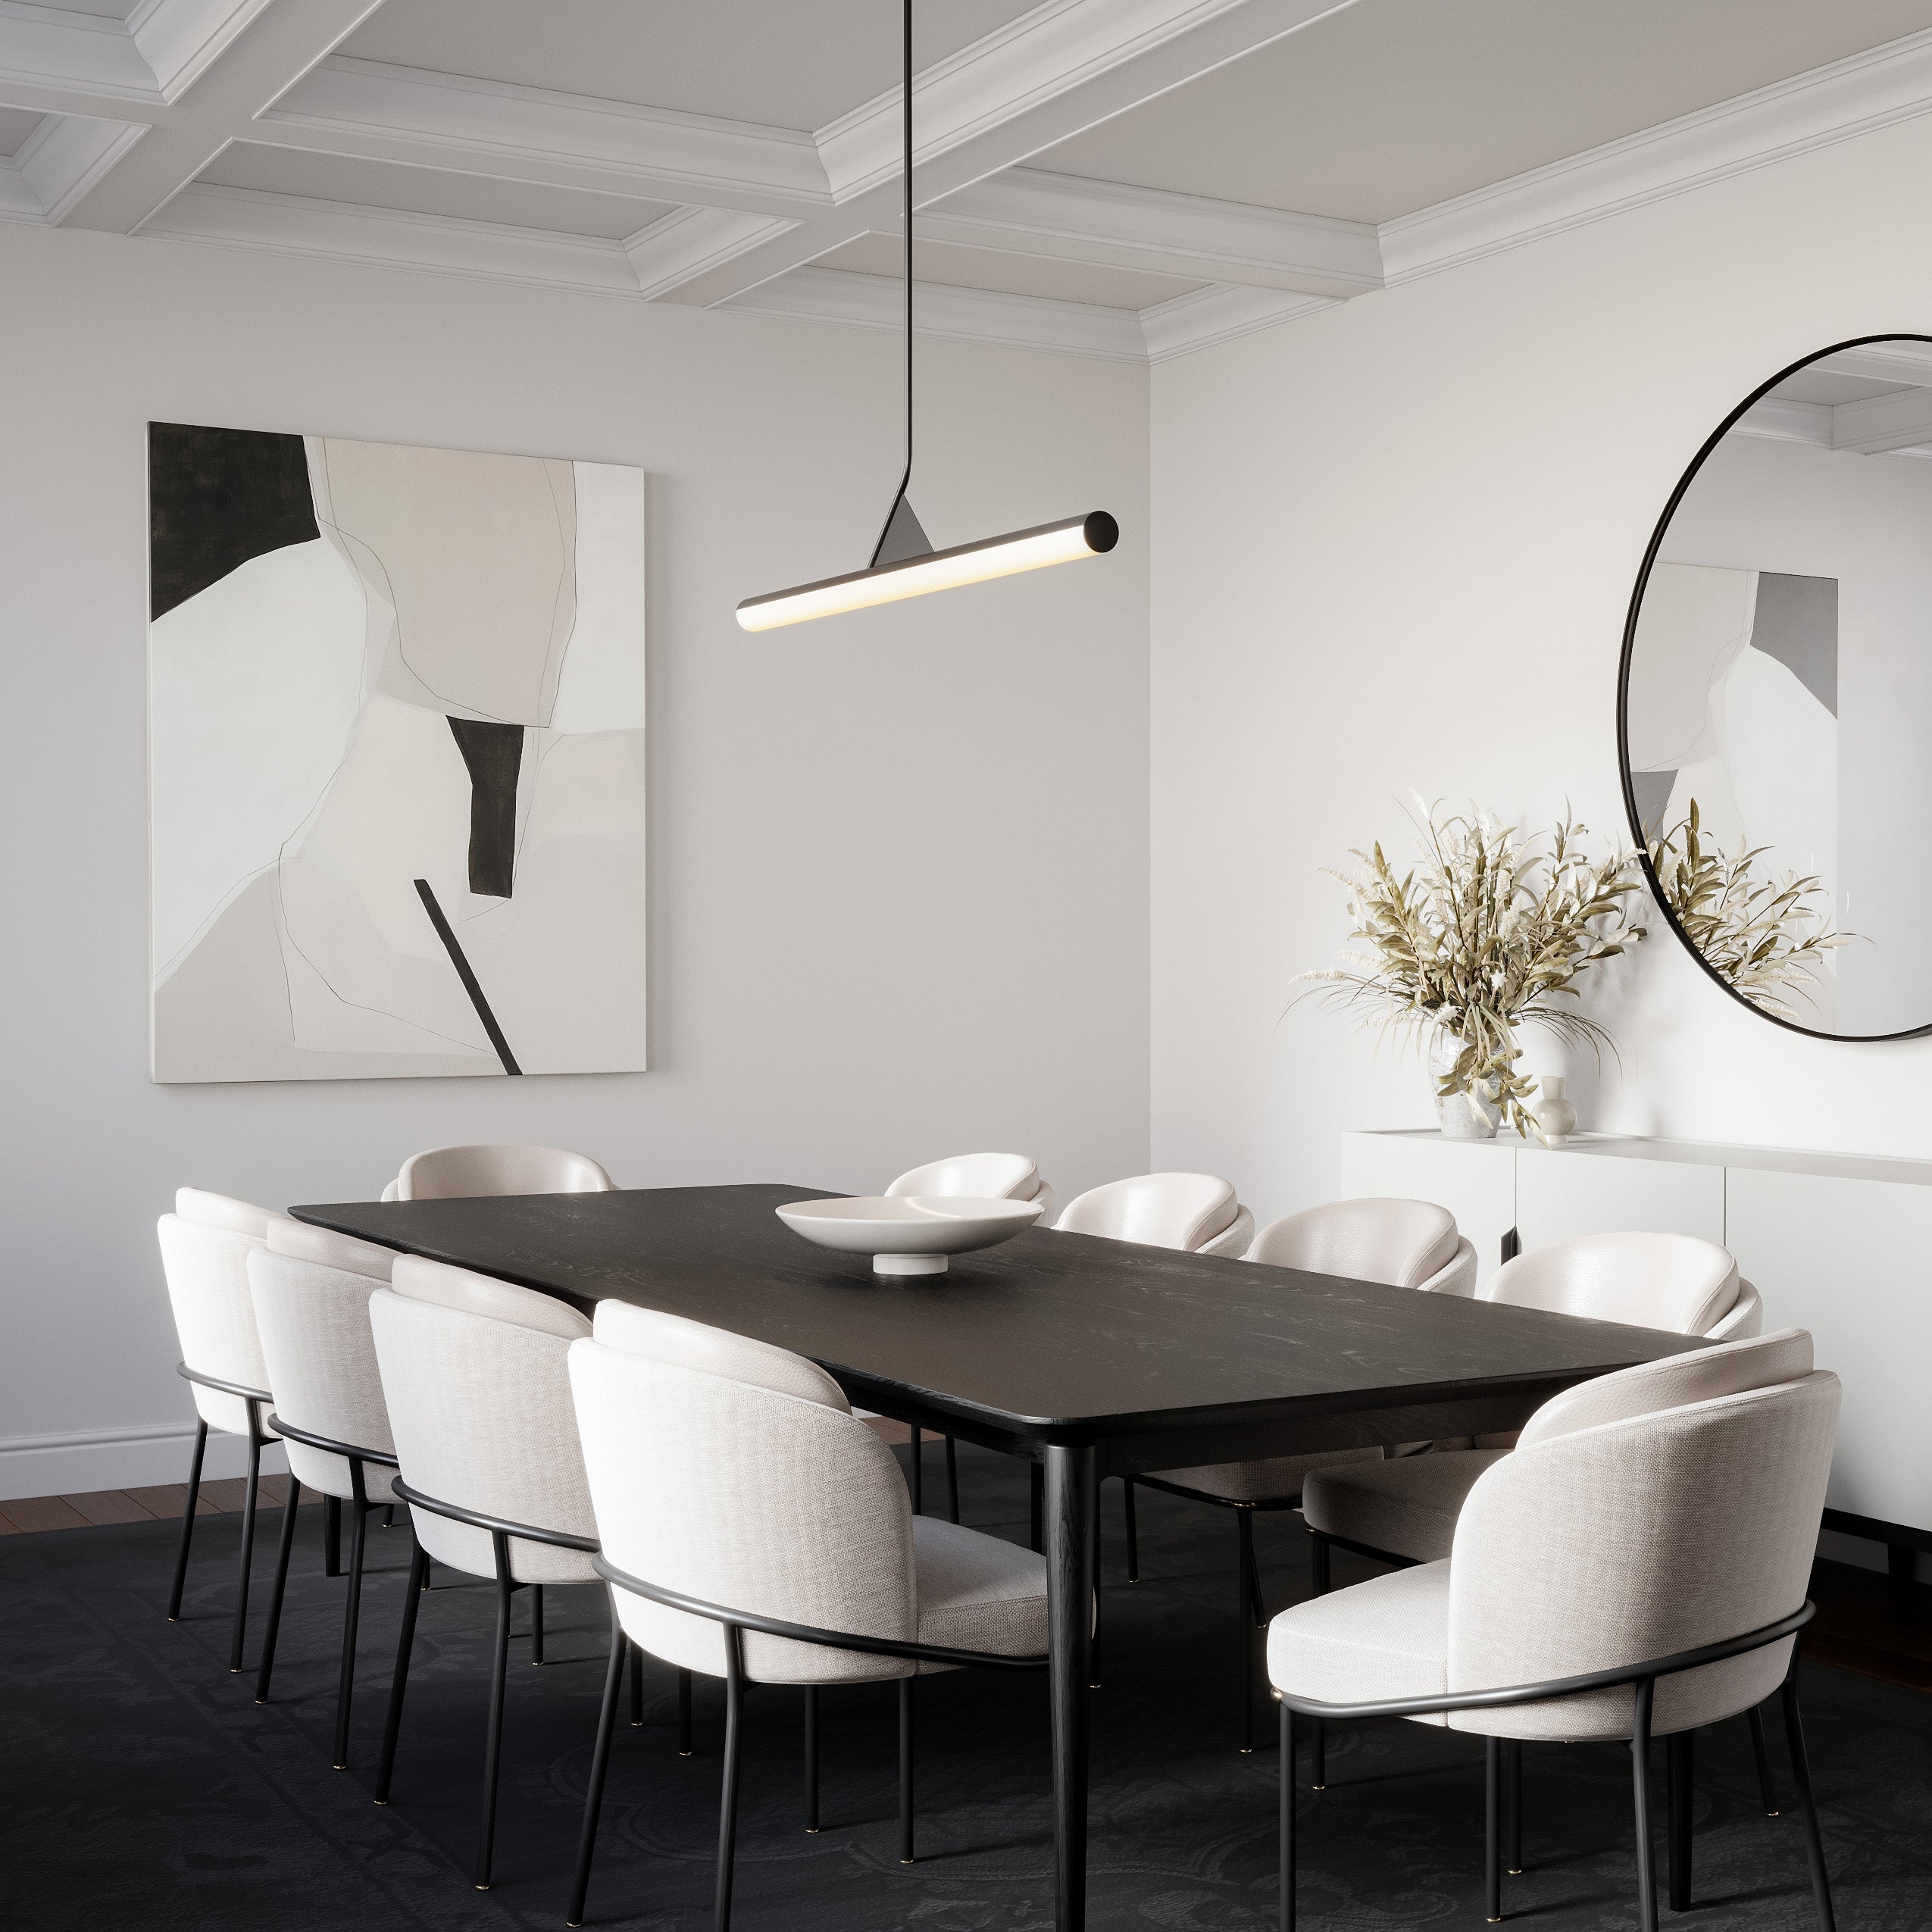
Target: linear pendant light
(904,562)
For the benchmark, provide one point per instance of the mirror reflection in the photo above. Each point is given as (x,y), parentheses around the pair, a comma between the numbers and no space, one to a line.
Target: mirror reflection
(1777,697)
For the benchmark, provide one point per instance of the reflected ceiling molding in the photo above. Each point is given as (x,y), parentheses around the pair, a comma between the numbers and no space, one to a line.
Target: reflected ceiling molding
(1908,364)
(57,164)
(1064,217)
(345,231)
(878,301)
(1204,316)
(1850,97)
(1896,425)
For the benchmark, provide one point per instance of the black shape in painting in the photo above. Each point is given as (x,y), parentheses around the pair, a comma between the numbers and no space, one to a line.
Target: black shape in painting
(495,755)
(216,498)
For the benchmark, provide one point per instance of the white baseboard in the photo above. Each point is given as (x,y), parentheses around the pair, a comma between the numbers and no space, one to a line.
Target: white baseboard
(80,1460)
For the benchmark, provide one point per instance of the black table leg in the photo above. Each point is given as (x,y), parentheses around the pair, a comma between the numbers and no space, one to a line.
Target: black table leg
(1070,1486)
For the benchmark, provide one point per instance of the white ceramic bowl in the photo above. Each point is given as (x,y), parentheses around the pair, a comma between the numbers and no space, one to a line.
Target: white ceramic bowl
(908,1233)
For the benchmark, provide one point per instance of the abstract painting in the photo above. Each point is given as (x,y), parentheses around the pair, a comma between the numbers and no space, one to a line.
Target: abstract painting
(398,760)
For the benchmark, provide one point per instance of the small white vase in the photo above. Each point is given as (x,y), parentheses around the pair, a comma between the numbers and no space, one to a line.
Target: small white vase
(1471,1116)
(1555,1114)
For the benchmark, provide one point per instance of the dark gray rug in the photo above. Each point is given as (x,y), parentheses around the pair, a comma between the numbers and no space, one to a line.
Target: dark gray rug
(144,1788)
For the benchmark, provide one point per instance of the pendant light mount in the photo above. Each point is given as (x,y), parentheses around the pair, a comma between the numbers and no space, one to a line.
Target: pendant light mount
(904,562)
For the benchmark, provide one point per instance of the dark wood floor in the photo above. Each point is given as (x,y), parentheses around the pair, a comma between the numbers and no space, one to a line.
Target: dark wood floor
(1866,1622)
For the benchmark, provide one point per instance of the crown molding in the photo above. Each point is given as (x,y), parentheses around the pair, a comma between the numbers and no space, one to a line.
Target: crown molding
(690,240)
(530,133)
(180,40)
(878,301)
(1778,420)
(1204,316)
(341,231)
(1830,103)
(51,59)
(1907,364)
(1066,217)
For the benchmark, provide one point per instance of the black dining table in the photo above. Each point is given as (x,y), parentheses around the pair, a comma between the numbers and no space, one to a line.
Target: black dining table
(1095,1358)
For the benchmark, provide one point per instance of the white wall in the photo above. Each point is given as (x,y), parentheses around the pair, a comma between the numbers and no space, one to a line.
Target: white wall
(1394,543)
(899,863)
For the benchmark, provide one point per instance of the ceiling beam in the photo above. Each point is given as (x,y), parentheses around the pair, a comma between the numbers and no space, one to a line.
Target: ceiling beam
(1901,420)
(263,53)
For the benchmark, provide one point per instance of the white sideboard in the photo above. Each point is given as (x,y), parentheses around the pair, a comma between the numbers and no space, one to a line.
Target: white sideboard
(1835,1243)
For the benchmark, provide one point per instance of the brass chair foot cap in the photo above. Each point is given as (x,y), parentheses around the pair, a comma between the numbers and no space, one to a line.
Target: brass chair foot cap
(338,1767)
(1516,1871)
(479,1888)
(174,1620)
(906,1862)
(380,1801)
(261,1700)
(811,1831)
(1774,1814)
(1317,1788)
(1247,1751)
(234,1670)
(687,1754)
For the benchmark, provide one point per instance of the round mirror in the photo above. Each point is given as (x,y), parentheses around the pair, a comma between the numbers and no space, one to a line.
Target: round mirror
(1775,707)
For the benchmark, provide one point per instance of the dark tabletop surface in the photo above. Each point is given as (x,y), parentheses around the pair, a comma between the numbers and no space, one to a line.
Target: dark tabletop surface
(1051,1330)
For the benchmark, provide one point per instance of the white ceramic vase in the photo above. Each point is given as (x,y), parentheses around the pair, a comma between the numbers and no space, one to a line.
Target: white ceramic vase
(1470,1116)
(1554,1114)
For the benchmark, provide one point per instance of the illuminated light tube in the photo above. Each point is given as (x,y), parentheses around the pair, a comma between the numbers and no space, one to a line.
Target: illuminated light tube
(940,570)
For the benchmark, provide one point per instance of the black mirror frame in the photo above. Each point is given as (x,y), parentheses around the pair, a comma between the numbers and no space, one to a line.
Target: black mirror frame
(1637,838)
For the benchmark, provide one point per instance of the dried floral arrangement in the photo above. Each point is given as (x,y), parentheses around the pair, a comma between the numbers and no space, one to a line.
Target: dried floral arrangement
(1488,934)
(1762,936)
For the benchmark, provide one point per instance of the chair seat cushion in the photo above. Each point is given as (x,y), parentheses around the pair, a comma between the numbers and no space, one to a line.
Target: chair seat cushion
(1408,1507)
(1388,1637)
(1269,1479)
(977,1592)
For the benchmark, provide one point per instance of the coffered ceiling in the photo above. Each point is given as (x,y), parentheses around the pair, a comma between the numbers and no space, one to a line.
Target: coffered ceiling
(1121,178)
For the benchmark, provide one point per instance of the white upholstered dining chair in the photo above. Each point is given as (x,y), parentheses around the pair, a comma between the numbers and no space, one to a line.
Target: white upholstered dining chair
(204,1247)
(754,1530)
(1635,1568)
(978,1177)
(1395,1244)
(473,1373)
(1197,1213)
(310,1289)
(1404,1509)
(444,1174)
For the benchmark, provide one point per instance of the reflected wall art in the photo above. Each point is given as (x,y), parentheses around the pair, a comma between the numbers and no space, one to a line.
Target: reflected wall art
(397,758)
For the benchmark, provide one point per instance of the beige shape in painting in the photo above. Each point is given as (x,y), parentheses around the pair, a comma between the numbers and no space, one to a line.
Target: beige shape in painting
(472,555)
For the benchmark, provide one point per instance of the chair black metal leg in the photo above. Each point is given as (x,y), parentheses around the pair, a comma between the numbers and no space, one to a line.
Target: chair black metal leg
(812,1760)
(685,1746)
(351,1615)
(1512,1807)
(1318,1754)
(1647,1874)
(1287,1820)
(952,1479)
(188,1521)
(248,1542)
(1133,1531)
(1093,1575)
(536,1623)
(412,1598)
(1244,1533)
(727,1809)
(389,1516)
(1492,1829)
(493,1737)
(600,1760)
(1037,1485)
(636,1682)
(332,1535)
(1680,1786)
(905,1769)
(1801,1772)
(1766,1784)
(918,1473)
(1318,1563)
(1256,1605)
(281,1549)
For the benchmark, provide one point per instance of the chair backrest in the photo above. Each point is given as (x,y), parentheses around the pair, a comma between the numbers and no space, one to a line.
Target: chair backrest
(1666,1524)
(976,1176)
(1402,1243)
(444,1174)
(204,1246)
(739,1492)
(1676,1281)
(1183,1210)
(475,1378)
(673,1338)
(313,1321)
(326,1249)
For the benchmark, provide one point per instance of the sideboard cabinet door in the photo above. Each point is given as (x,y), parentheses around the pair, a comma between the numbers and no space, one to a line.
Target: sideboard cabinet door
(1851,1261)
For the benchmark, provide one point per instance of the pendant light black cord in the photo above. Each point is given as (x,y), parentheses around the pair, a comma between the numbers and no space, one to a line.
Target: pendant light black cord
(906,110)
